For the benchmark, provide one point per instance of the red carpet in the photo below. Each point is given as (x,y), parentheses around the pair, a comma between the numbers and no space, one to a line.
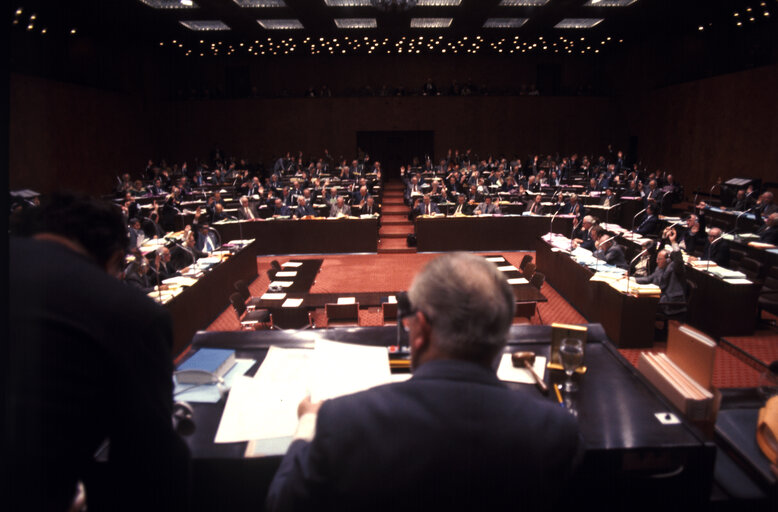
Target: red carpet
(388,272)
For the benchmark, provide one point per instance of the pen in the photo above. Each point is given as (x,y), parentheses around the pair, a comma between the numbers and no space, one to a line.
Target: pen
(558,396)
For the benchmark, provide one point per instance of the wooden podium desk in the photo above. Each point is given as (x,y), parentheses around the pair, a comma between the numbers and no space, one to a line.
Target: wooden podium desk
(628,320)
(309,236)
(476,233)
(630,456)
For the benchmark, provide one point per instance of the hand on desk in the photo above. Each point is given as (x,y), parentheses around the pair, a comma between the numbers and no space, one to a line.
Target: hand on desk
(308,407)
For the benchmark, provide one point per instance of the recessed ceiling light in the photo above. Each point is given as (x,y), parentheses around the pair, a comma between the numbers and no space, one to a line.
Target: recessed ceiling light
(505,22)
(168,4)
(431,22)
(522,3)
(356,23)
(348,3)
(439,3)
(204,25)
(578,23)
(287,24)
(260,3)
(609,3)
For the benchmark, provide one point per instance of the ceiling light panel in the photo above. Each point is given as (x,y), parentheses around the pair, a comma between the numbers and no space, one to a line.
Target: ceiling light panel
(204,25)
(280,24)
(260,3)
(522,3)
(505,22)
(168,4)
(356,23)
(348,3)
(431,22)
(578,23)
(609,3)
(439,3)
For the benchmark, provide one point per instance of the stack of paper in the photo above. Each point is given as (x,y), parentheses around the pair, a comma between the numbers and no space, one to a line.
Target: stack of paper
(682,391)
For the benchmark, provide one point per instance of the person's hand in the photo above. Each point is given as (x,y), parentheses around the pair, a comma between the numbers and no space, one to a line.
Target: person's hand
(702,204)
(308,407)
(672,236)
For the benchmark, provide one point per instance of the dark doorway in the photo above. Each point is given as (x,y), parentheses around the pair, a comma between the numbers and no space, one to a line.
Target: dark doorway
(394,149)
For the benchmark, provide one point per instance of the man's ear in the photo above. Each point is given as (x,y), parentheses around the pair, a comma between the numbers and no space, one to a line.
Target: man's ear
(422,335)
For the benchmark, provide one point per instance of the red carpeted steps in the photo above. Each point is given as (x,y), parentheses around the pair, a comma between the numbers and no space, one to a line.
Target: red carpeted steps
(395,226)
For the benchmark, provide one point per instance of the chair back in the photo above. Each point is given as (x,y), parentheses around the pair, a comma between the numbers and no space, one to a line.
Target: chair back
(389,311)
(243,288)
(275,265)
(236,299)
(342,312)
(529,271)
(537,280)
(524,261)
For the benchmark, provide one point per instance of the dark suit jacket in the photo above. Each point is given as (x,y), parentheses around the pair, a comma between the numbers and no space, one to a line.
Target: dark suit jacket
(769,235)
(374,209)
(719,253)
(422,208)
(671,281)
(303,211)
(111,378)
(452,437)
(613,256)
(466,209)
(649,226)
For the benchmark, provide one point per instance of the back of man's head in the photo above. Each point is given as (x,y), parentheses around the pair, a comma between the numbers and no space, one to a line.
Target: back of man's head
(469,304)
(96,225)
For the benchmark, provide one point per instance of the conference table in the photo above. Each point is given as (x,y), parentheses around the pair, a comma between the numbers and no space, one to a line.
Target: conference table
(485,233)
(630,454)
(628,320)
(307,236)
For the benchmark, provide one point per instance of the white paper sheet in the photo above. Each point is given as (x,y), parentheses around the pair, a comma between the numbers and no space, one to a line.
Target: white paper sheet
(292,303)
(391,299)
(281,284)
(344,368)
(347,300)
(518,280)
(265,407)
(507,372)
(495,259)
(292,264)
(273,296)
(507,268)
(286,274)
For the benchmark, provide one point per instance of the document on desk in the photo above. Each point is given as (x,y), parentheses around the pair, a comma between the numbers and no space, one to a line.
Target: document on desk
(507,268)
(495,259)
(281,284)
(347,300)
(286,274)
(509,373)
(292,264)
(265,406)
(344,368)
(518,280)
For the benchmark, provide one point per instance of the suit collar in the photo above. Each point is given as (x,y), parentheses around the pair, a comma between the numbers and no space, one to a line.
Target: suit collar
(451,369)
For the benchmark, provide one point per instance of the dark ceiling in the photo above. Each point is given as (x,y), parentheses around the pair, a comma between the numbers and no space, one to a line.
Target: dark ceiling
(132,22)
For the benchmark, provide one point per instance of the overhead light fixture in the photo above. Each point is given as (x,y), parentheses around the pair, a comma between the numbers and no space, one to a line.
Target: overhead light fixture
(348,3)
(522,3)
(204,25)
(394,5)
(431,22)
(169,4)
(260,3)
(187,3)
(356,23)
(439,3)
(505,22)
(285,24)
(609,3)
(578,23)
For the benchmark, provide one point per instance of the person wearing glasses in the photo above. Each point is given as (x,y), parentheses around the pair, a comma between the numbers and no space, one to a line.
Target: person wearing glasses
(451,437)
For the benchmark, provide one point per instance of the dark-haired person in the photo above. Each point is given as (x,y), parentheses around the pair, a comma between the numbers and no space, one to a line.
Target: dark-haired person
(453,437)
(87,380)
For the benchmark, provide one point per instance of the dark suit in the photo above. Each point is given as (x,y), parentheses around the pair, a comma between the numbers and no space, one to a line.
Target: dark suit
(466,209)
(613,256)
(649,226)
(452,437)
(671,281)
(769,235)
(304,211)
(89,360)
(365,210)
(424,209)
(719,253)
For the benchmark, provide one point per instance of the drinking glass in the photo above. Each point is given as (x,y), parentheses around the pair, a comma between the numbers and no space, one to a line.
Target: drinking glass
(571,353)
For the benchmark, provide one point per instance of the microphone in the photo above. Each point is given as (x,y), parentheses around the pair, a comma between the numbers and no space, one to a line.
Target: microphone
(737,236)
(608,211)
(696,194)
(710,251)
(551,226)
(635,217)
(597,260)
(633,261)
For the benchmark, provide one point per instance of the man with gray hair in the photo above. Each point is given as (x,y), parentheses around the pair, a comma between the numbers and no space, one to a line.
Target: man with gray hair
(451,437)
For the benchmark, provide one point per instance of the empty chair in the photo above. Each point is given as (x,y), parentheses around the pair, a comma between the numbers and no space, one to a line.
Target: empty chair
(679,309)
(768,295)
(248,319)
(243,288)
(751,268)
(275,265)
(389,312)
(524,261)
(537,280)
(529,271)
(342,313)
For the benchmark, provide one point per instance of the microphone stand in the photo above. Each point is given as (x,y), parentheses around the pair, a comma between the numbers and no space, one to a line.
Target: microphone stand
(710,252)
(632,231)
(608,211)
(633,261)
(597,260)
(737,236)
(551,226)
